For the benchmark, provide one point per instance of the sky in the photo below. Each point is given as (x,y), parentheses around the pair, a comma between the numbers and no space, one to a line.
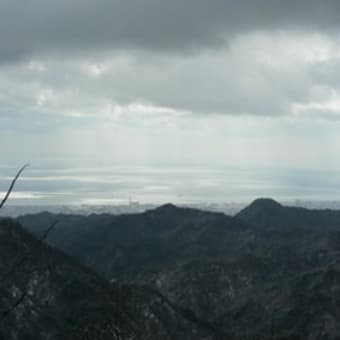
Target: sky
(189,100)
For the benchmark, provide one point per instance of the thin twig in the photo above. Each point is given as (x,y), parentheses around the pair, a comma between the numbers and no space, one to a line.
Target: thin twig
(47,231)
(12,185)
(21,261)
(15,267)
(13,307)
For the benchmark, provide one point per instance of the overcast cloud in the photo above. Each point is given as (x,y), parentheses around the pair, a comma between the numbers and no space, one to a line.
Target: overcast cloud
(150,82)
(168,26)
(251,57)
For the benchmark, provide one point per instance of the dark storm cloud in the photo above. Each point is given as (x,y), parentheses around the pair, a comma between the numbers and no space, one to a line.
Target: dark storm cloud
(176,25)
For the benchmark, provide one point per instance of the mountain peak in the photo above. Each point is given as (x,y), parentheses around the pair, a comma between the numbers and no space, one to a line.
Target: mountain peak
(168,207)
(173,211)
(260,206)
(265,203)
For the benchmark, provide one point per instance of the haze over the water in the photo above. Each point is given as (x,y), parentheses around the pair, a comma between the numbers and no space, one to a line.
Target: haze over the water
(119,185)
(170,100)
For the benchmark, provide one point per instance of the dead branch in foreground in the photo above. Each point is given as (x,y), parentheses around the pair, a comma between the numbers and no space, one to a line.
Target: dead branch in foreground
(18,263)
(12,185)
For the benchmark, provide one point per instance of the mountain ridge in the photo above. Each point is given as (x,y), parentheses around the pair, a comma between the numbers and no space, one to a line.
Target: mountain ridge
(236,273)
(269,214)
(46,294)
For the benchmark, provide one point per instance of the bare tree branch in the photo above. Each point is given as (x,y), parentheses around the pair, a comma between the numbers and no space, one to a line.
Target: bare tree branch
(12,185)
(13,307)
(18,263)
(23,258)
(15,266)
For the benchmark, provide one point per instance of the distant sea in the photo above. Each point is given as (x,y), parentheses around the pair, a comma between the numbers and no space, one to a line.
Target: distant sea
(200,185)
